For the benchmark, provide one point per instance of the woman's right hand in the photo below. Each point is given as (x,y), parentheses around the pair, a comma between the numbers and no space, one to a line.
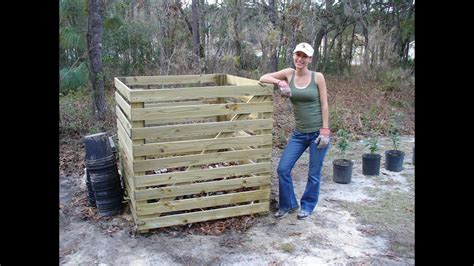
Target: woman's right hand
(284,88)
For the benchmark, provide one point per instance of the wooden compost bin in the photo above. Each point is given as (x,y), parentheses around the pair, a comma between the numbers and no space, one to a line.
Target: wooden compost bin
(194,147)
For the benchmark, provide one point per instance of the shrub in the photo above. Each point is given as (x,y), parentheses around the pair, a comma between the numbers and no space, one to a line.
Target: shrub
(394,130)
(372,143)
(342,141)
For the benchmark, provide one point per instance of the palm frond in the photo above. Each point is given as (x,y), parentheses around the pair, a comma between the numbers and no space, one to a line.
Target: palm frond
(69,38)
(73,78)
(113,23)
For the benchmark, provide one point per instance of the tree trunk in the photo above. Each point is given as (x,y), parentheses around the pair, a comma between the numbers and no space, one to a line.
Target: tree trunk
(274,49)
(196,38)
(236,30)
(339,62)
(350,48)
(94,46)
(147,10)
(132,9)
(202,28)
(317,43)
(365,32)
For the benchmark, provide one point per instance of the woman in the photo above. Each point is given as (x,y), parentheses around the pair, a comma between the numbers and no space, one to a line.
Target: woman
(307,92)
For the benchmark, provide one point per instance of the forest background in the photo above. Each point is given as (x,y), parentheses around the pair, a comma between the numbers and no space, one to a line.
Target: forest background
(365,49)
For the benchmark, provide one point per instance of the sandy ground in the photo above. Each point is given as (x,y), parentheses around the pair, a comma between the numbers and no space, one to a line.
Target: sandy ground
(333,235)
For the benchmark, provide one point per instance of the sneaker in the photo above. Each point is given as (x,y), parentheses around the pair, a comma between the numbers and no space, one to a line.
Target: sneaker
(283,213)
(302,215)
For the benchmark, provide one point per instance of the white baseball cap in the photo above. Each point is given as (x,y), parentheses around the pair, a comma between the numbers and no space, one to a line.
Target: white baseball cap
(305,48)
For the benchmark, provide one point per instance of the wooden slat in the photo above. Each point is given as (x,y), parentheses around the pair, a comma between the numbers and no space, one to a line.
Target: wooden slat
(180,103)
(200,129)
(178,138)
(140,95)
(128,180)
(123,121)
(202,202)
(169,79)
(123,105)
(202,216)
(165,121)
(202,174)
(204,110)
(122,88)
(126,144)
(199,159)
(137,124)
(204,187)
(231,79)
(177,147)
(130,188)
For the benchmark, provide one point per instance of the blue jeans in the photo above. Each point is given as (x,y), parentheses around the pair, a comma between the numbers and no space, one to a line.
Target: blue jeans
(297,144)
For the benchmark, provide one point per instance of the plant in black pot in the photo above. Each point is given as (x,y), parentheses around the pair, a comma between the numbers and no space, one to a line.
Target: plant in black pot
(371,161)
(394,158)
(342,168)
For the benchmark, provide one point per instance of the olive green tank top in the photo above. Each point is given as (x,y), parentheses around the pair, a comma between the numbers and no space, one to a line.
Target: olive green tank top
(306,106)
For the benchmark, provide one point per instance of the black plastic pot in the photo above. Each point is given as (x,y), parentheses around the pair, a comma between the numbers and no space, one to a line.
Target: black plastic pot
(104,179)
(98,146)
(90,191)
(394,160)
(342,171)
(371,163)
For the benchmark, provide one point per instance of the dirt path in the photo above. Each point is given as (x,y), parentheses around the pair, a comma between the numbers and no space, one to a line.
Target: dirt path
(369,221)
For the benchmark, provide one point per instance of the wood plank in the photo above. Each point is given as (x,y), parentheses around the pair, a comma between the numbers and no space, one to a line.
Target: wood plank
(137,124)
(179,103)
(204,187)
(165,121)
(204,110)
(128,180)
(235,80)
(122,88)
(125,144)
(169,79)
(178,138)
(200,129)
(193,217)
(123,121)
(126,108)
(140,95)
(177,147)
(200,159)
(130,190)
(202,174)
(202,202)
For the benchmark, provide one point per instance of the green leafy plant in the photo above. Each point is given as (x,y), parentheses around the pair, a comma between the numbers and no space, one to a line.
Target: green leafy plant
(372,143)
(342,141)
(395,138)
(394,130)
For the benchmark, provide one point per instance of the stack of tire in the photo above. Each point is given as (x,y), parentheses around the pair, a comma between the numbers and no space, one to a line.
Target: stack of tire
(102,172)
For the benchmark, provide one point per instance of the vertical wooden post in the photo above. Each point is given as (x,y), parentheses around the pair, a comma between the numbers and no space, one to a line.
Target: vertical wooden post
(138,124)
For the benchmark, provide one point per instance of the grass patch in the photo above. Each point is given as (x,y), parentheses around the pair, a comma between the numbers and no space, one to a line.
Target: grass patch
(372,191)
(410,179)
(288,248)
(386,181)
(77,116)
(392,216)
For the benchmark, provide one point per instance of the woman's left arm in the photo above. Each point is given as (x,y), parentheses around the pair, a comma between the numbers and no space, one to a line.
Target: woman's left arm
(323,98)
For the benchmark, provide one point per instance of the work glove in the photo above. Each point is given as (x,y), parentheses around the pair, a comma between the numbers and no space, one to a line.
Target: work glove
(284,88)
(323,139)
